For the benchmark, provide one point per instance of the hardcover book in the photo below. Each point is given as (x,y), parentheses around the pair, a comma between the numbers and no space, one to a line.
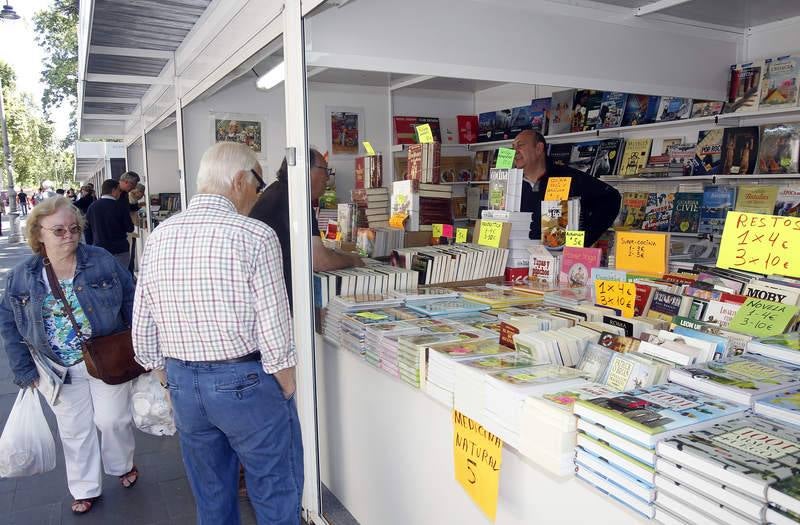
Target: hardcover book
(486,127)
(706,108)
(686,212)
(681,157)
(405,129)
(521,119)
(674,108)
(740,150)
(664,305)
(577,265)
(787,203)
(618,343)
(637,152)
(583,155)
(629,371)
(782,406)
(633,207)
(640,109)
(586,109)
(540,114)
(543,266)
(555,217)
(561,111)
(658,211)
(780,148)
(594,361)
(607,157)
(708,155)
(779,83)
(756,198)
(784,347)
(744,87)
(559,154)
(717,201)
(467,129)
(612,109)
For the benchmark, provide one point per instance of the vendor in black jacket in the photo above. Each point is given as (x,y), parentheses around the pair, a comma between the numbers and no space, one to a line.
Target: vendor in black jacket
(599,201)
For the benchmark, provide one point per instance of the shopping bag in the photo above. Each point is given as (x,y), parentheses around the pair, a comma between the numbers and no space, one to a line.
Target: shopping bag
(151,406)
(26,445)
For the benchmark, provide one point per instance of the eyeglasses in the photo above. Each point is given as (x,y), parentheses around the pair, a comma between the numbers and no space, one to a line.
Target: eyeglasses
(328,171)
(261,184)
(60,231)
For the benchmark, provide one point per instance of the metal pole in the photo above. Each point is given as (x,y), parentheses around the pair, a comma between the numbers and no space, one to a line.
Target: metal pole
(13,235)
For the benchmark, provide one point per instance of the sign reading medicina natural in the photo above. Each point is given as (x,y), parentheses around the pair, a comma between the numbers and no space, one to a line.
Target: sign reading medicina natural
(477,456)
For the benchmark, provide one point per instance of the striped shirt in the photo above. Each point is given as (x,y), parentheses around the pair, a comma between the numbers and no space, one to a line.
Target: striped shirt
(211,288)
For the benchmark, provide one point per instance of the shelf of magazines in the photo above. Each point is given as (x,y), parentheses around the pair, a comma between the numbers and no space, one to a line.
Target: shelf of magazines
(724,120)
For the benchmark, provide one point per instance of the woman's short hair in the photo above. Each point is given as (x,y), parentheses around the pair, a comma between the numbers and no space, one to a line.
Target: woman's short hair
(220,164)
(44,209)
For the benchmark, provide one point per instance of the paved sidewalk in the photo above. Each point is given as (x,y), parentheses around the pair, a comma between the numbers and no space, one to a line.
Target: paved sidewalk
(161,497)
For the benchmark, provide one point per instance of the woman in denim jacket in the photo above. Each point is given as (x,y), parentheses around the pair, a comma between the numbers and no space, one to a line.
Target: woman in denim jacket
(100,292)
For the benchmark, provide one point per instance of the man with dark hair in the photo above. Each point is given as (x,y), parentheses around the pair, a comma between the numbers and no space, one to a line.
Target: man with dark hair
(599,201)
(22,198)
(86,199)
(273,209)
(108,224)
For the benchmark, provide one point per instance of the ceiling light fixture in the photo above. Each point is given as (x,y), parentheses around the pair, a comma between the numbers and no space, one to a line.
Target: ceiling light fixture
(273,77)
(8,13)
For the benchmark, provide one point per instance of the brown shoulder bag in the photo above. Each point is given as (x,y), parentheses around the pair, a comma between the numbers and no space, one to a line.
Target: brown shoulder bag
(108,358)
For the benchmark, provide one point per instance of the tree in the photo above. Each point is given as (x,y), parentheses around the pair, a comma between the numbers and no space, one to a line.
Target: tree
(57,33)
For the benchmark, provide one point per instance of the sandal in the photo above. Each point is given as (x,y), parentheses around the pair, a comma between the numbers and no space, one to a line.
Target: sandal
(129,479)
(82,506)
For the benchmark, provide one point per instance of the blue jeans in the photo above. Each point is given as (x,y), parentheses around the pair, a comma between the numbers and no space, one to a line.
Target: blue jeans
(231,413)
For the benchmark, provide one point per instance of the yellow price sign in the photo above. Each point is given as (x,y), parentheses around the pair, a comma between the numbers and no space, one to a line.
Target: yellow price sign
(372,316)
(615,294)
(461,234)
(761,318)
(438,231)
(768,244)
(397,220)
(642,253)
(425,134)
(477,457)
(491,233)
(575,238)
(368,148)
(557,189)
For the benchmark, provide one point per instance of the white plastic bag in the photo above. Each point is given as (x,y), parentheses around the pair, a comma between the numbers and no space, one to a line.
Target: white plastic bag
(26,446)
(151,406)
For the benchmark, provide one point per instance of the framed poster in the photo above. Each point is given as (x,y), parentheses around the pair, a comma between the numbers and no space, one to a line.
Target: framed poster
(345,130)
(243,129)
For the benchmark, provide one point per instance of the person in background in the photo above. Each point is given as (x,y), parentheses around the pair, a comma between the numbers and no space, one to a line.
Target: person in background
(22,200)
(273,209)
(127,182)
(32,319)
(108,225)
(599,201)
(70,195)
(224,334)
(134,196)
(86,199)
(60,191)
(47,190)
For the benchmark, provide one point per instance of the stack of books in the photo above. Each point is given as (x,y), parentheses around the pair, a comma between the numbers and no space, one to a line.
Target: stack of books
(341,305)
(354,325)
(379,242)
(424,162)
(470,379)
(372,207)
(435,206)
(326,216)
(639,419)
(447,307)
(413,351)
(369,171)
(445,264)
(374,279)
(505,189)
(519,242)
(737,471)
(556,218)
(376,335)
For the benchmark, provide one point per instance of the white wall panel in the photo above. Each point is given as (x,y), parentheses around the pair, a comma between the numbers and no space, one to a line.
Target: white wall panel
(135,160)
(162,160)
(775,39)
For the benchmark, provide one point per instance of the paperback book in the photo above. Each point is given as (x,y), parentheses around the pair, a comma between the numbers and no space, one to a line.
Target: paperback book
(640,109)
(744,87)
(607,158)
(788,201)
(779,84)
(756,198)
(708,154)
(780,148)
(577,265)
(686,212)
(782,406)
(586,109)
(540,115)
(637,152)
(740,150)
(674,108)
(583,155)
(561,111)
(612,109)
(658,211)
(717,201)
(706,109)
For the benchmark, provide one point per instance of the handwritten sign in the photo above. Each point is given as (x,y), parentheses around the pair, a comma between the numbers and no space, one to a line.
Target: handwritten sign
(617,295)
(477,457)
(491,233)
(505,158)
(447,231)
(425,134)
(461,234)
(437,231)
(397,220)
(575,238)
(762,318)
(368,148)
(642,253)
(767,244)
(557,189)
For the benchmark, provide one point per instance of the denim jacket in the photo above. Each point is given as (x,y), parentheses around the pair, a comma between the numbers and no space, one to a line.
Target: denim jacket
(104,290)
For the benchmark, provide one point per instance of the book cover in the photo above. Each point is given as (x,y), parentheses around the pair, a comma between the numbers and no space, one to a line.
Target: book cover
(586,109)
(779,83)
(543,266)
(637,152)
(467,129)
(783,406)
(612,109)
(658,211)
(540,114)
(756,198)
(686,212)
(618,343)
(740,150)
(665,305)
(708,155)
(577,265)
(640,109)
(780,148)
(502,124)
(717,200)
(706,108)
(405,129)
(521,119)
(554,217)
(625,372)
(559,154)
(486,127)
(583,155)
(787,203)
(536,375)
(594,361)
(674,108)
(561,111)
(607,157)
(634,204)
(744,87)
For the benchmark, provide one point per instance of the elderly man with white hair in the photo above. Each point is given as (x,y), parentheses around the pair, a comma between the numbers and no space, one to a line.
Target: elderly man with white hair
(211,308)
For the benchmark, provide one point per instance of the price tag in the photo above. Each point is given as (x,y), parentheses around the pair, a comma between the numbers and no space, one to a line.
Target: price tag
(425,134)
(575,238)
(762,318)
(447,230)
(372,316)
(642,253)
(461,235)
(437,231)
(368,148)
(477,457)
(491,233)
(397,220)
(505,158)
(614,294)
(767,244)
(557,189)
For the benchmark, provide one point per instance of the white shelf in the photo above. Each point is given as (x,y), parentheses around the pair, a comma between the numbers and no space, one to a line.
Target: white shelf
(756,177)
(673,234)
(399,148)
(727,119)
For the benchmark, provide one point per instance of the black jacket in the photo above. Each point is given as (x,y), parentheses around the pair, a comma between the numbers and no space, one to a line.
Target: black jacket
(84,202)
(108,225)
(599,202)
